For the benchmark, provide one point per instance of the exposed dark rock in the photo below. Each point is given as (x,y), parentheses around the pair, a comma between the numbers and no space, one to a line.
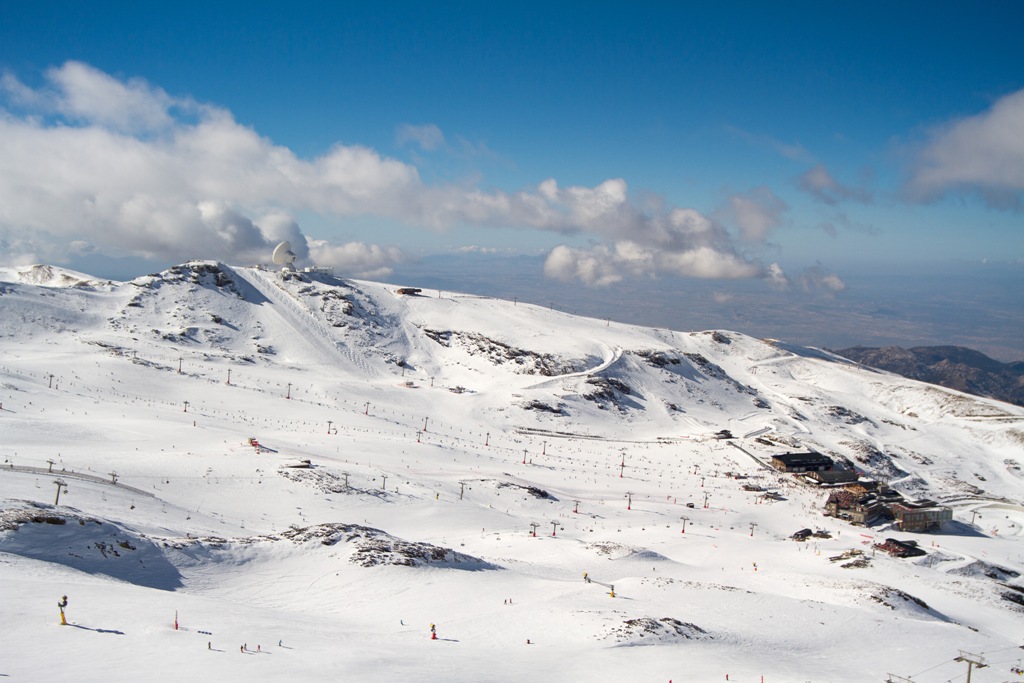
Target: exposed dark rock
(888,596)
(374,547)
(1014,595)
(980,568)
(499,353)
(665,630)
(371,547)
(708,368)
(538,493)
(608,392)
(658,359)
(847,415)
(542,407)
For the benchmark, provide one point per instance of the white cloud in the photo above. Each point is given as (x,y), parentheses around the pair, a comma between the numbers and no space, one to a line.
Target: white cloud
(678,241)
(428,136)
(603,265)
(118,167)
(776,276)
(229,226)
(88,94)
(755,213)
(278,226)
(597,266)
(818,279)
(128,168)
(706,262)
(982,153)
(820,184)
(18,93)
(356,259)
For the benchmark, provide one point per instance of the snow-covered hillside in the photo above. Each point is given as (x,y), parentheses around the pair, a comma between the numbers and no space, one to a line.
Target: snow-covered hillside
(442,432)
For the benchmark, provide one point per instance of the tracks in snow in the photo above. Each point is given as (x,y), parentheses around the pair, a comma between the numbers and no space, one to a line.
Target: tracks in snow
(301,318)
(612,356)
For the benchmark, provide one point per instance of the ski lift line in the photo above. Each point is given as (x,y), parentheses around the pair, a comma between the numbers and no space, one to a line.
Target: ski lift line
(948,661)
(456,439)
(1003,649)
(213,477)
(545,433)
(76,475)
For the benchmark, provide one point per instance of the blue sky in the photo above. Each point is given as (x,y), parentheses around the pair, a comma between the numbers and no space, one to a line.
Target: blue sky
(788,143)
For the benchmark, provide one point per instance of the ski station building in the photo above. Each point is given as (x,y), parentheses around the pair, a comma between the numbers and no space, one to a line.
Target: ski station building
(802,462)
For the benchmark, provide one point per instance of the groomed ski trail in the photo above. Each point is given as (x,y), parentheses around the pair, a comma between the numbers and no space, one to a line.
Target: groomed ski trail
(612,356)
(296,314)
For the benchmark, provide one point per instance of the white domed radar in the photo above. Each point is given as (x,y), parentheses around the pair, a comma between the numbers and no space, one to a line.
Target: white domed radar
(284,256)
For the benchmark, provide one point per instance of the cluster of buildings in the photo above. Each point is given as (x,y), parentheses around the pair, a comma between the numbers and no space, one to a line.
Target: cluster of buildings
(862,501)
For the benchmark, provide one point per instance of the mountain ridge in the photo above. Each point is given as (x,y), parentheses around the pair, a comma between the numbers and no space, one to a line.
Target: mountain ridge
(954,367)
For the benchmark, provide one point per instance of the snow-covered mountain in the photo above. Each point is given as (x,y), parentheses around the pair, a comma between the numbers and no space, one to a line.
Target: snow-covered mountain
(955,367)
(442,432)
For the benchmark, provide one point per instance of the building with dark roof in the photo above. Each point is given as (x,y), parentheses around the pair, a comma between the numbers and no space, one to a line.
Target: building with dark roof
(827,477)
(802,462)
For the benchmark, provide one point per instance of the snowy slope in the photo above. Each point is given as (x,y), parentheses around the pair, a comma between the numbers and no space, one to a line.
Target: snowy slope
(442,430)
